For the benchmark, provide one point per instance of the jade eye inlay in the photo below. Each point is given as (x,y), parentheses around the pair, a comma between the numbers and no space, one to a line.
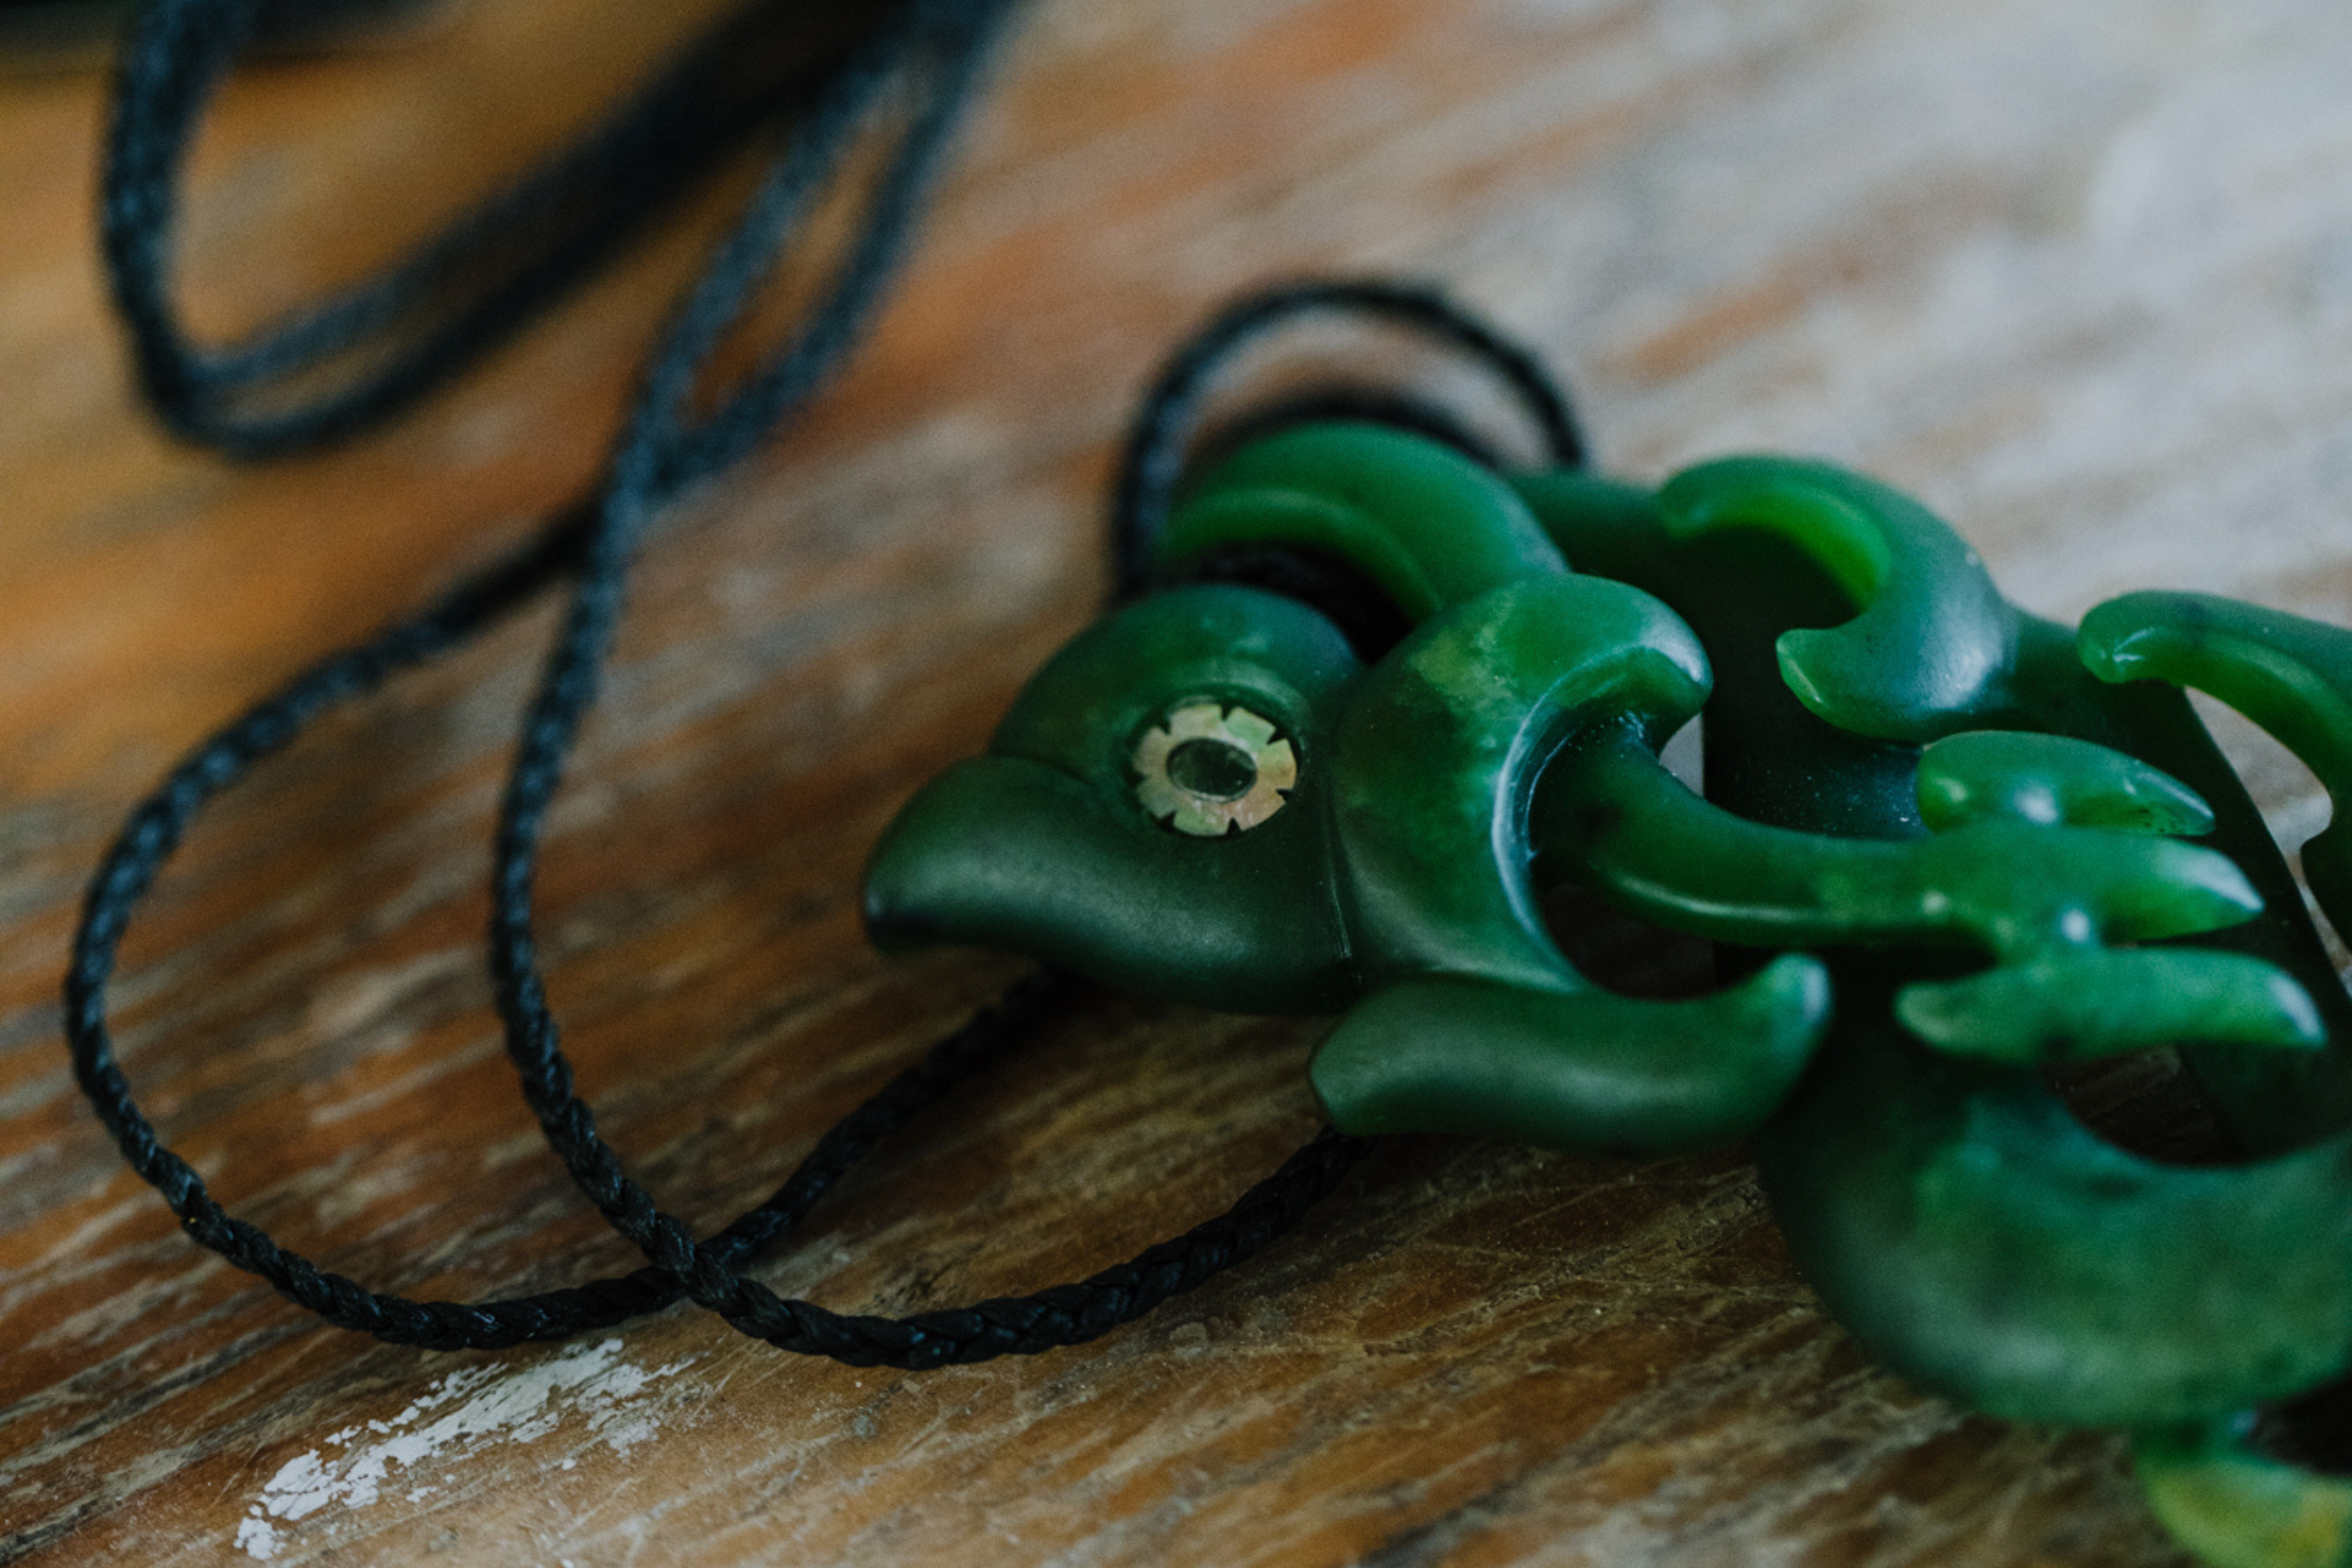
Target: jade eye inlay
(1209,770)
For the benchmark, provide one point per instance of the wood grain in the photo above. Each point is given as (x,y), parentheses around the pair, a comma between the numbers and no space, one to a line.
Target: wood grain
(2079,273)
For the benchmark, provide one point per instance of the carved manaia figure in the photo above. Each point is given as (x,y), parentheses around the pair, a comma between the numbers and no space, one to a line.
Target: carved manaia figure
(1972,822)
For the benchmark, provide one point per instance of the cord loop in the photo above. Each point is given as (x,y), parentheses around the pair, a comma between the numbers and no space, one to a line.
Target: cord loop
(389,340)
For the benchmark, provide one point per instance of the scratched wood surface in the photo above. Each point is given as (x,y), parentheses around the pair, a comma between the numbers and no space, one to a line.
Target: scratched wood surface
(2078,271)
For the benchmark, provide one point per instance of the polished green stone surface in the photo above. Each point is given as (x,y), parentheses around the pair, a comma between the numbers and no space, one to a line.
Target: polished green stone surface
(2237,1510)
(1945,845)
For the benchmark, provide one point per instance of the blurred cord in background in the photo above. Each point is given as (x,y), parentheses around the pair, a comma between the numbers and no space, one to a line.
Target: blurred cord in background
(79,35)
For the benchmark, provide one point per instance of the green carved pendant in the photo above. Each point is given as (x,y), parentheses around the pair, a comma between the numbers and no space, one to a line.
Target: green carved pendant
(1946,843)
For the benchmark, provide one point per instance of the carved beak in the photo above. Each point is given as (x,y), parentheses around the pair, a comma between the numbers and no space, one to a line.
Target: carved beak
(1007,852)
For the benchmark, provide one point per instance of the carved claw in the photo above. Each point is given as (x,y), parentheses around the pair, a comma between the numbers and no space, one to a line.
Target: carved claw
(2081,1006)
(1429,525)
(1581,1070)
(1984,1243)
(2289,675)
(1478,1022)
(2052,779)
(2235,1509)
(1931,643)
(2040,897)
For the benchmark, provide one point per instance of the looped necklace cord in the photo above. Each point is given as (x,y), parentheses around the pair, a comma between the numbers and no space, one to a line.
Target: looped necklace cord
(379,346)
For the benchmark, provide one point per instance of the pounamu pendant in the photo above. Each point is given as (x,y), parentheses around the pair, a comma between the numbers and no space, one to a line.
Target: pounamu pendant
(1946,845)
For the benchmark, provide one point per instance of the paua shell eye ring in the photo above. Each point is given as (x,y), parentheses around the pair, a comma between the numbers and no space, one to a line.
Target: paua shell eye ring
(1209,769)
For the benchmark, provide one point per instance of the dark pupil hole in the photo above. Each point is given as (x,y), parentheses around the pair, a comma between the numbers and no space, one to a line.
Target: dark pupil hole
(1212,770)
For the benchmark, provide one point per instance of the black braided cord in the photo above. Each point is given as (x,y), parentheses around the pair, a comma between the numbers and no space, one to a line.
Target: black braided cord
(344,363)
(417,324)
(660,449)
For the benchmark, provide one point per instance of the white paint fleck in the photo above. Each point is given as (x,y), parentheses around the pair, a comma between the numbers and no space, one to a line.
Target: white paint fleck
(255,1538)
(457,1417)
